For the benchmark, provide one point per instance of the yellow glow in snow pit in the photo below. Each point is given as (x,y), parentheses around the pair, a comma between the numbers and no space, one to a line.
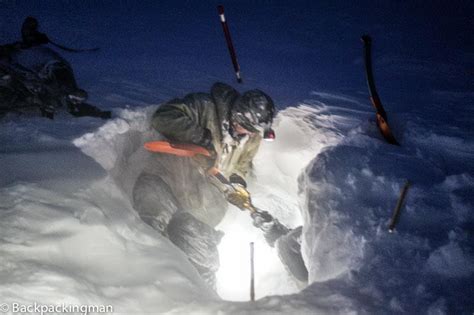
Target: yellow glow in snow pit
(233,277)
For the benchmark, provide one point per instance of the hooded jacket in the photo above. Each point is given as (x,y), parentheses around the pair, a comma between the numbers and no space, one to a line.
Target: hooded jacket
(203,119)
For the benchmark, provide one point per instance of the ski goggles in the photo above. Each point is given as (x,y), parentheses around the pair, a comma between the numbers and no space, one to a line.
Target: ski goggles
(262,128)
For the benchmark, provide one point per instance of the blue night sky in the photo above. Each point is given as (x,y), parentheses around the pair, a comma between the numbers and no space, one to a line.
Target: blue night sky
(286,48)
(297,52)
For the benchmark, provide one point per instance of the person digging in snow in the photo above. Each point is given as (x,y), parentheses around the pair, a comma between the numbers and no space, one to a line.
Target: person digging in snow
(174,195)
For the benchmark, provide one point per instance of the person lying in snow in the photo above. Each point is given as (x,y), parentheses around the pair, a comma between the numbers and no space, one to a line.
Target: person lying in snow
(34,76)
(173,194)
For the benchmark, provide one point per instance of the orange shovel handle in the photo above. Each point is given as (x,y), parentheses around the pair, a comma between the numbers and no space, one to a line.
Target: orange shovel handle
(180,149)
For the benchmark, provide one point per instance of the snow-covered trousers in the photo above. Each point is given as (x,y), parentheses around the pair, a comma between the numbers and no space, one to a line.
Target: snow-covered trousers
(289,250)
(199,242)
(176,199)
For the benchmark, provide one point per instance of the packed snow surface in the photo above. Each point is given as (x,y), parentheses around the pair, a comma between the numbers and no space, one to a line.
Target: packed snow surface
(68,231)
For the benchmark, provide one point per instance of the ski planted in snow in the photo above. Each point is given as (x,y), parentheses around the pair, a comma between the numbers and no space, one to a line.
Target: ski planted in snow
(382,121)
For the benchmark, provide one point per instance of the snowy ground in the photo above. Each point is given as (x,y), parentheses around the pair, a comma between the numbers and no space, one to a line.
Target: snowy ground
(68,233)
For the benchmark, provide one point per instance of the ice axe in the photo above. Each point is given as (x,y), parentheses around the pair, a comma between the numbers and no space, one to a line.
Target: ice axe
(272,228)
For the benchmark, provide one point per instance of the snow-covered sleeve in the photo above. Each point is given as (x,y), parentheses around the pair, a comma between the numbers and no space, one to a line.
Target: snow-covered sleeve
(179,121)
(245,161)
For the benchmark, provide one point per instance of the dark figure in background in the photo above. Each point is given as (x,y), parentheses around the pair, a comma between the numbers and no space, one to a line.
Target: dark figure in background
(30,34)
(47,78)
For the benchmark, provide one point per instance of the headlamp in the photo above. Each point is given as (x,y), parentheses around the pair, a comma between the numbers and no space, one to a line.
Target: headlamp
(264,129)
(269,134)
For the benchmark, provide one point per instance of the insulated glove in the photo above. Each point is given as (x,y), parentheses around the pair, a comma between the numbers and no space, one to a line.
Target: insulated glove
(260,218)
(271,227)
(240,198)
(237,179)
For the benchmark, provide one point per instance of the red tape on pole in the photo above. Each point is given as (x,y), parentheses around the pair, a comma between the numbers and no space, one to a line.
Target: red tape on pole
(230,46)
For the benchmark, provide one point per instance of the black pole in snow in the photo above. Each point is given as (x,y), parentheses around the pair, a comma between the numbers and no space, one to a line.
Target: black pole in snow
(252,273)
(230,46)
(396,211)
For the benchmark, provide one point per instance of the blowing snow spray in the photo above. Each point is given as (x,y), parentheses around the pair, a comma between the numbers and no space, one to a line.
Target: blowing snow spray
(230,46)
(263,220)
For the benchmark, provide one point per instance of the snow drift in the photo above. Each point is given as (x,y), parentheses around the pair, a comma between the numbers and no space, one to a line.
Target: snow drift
(69,233)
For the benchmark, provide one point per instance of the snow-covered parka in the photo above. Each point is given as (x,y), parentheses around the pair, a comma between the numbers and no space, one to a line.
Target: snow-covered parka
(170,184)
(203,119)
(172,195)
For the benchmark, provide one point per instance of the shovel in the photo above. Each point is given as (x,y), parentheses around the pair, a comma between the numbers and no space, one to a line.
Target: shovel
(262,219)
